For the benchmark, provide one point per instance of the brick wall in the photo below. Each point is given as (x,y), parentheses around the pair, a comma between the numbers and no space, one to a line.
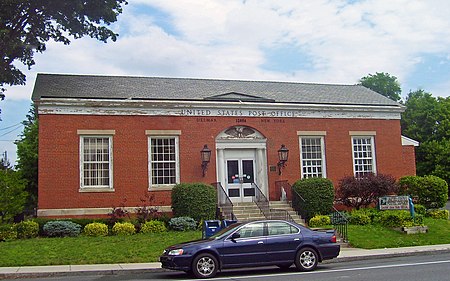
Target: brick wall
(59,176)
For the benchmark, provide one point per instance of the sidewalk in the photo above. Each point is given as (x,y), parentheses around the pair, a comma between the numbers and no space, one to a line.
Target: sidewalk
(347,254)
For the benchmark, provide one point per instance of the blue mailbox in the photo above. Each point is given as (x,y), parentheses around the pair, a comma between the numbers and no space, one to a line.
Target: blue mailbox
(226,223)
(211,227)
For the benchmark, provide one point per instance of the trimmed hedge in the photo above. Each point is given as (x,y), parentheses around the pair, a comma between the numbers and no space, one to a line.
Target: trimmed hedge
(27,229)
(96,229)
(182,224)
(319,220)
(360,217)
(429,191)
(318,194)
(438,214)
(62,229)
(7,232)
(195,200)
(123,228)
(153,226)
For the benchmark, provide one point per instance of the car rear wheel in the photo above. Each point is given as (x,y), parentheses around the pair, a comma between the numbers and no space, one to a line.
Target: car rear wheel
(204,266)
(306,259)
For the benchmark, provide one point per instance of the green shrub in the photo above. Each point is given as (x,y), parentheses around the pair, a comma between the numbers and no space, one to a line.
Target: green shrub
(438,214)
(395,218)
(319,220)
(318,194)
(42,222)
(61,229)
(153,226)
(429,191)
(182,224)
(7,232)
(96,229)
(420,209)
(359,217)
(418,219)
(195,200)
(365,191)
(123,228)
(27,229)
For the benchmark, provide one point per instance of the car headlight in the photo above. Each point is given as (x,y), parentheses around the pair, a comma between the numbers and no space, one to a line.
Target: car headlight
(176,252)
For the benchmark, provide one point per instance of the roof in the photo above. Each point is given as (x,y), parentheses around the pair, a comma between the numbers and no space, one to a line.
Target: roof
(187,89)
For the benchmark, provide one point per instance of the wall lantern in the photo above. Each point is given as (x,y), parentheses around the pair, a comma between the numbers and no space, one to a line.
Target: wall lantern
(283,154)
(206,157)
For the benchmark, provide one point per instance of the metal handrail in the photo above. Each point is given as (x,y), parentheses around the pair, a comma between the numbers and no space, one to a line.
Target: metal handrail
(224,202)
(280,214)
(338,220)
(261,201)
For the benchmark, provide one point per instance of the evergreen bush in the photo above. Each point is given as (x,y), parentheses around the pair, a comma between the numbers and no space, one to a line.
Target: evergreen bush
(429,191)
(153,226)
(438,214)
(61,229)
(123,228)
(319,220)
(395,218)
(27,229)
(420,209)
(182,224)
(318,194)
(96,229)
(7,232)
(359,217)
(194,200)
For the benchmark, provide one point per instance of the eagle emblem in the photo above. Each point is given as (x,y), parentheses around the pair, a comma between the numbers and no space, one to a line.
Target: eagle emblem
(239,132)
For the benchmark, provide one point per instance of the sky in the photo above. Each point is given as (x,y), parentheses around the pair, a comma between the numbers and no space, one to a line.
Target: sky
(320,41)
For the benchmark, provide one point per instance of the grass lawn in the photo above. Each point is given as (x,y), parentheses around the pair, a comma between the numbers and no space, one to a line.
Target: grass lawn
(375,236)
(147,248)
(90,250)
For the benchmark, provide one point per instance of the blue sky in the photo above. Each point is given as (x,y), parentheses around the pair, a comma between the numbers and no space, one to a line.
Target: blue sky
(321,41)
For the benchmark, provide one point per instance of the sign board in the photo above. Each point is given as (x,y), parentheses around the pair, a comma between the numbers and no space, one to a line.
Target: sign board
(394,203)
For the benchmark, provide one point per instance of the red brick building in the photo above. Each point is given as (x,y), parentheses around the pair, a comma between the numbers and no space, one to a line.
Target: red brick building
(105,141)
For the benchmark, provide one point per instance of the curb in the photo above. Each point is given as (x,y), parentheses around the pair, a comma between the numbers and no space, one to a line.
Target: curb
(122,271)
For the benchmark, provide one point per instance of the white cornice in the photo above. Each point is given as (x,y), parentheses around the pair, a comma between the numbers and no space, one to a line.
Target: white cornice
(214,109)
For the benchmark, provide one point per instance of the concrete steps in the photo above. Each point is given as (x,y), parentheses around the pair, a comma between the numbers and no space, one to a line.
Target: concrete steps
(248,211)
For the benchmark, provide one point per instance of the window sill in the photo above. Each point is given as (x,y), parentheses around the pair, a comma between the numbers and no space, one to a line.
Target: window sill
(93,189)
(161,188)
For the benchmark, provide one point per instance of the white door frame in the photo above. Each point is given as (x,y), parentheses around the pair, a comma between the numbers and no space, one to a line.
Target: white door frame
(260,166)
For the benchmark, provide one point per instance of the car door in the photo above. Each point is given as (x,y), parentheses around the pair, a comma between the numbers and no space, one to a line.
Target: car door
(282,241)
(249,249)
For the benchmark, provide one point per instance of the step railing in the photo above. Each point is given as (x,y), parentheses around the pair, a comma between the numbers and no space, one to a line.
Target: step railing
(264,206)
(338,219)
(224,205)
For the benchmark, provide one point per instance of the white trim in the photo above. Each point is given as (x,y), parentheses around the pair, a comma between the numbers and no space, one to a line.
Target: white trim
(90,211)
(163,132)
(322,148)
(154,187)
(81,163)
(214,109)
(407,141)
(311,133)
(96,132)
(374,161)
(362,133)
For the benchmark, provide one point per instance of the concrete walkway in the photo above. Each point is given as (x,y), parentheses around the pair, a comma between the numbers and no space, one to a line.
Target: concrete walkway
(347,254)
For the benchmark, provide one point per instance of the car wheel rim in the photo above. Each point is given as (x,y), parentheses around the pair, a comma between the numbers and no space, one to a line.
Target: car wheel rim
(205,266)
(307,259)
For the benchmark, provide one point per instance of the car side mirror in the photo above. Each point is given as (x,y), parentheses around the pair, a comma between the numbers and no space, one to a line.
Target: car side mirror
(235,235)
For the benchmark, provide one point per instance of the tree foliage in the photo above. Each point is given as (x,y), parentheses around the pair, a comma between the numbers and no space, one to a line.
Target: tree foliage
(27,153)
(26,26)
(384,84)
(12,195)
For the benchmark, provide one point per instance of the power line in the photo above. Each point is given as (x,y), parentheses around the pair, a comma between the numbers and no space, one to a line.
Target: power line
(17,127)
(6,128)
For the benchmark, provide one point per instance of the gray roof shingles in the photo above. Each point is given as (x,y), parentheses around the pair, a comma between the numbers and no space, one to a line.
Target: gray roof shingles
(157,88)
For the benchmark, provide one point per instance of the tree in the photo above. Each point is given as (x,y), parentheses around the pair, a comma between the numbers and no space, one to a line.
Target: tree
(12,195)
(384,84)
(27,153)
(26,25)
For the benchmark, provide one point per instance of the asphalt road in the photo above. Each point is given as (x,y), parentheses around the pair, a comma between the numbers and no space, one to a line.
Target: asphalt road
(409,268)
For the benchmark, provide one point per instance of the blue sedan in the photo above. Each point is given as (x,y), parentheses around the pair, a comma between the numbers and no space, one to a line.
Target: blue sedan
(251,244)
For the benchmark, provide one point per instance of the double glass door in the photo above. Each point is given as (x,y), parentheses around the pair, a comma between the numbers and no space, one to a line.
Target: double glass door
(240,176)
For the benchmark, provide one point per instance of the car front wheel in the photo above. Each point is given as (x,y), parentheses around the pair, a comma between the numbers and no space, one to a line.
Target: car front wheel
(306,259)
(204,266)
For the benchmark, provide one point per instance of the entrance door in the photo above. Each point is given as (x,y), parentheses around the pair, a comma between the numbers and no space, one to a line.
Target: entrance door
(240,174)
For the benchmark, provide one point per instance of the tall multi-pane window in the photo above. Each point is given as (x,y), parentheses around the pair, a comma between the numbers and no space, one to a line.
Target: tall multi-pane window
(363,155)
(96,161)
(163,155)
(312,156)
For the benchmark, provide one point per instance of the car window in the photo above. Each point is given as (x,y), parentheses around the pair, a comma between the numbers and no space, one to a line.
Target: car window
(252,230)
(280,228)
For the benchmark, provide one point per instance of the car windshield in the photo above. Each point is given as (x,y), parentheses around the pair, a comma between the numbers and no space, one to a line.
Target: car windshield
(225,232)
